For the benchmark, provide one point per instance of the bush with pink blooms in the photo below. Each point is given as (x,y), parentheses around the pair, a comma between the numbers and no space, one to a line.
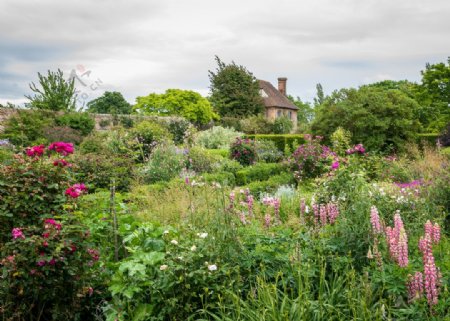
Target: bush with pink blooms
(46,260)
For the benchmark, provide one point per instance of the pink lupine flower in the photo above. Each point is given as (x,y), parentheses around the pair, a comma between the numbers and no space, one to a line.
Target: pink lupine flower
(415,286)
(323,214)
(398,224)
(276,207)
(76,190)
(316,214)
(431,280)
(232,198)
(436,233)
(186,180)
(242,218)
(250,202)
(392,242)
(428,227)
(333,212)
(375,220)
(62,148)
(35,150)
(302,206)
(267,220)
(402,249)
(17,233)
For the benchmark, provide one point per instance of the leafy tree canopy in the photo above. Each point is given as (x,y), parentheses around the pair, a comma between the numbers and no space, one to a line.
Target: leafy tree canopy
(110,103)
(186,103)
(379,118)
(234,91)
(305,113)
(56,92)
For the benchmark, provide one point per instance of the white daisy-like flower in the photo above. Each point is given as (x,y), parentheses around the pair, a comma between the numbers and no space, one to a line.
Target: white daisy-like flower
(163,267)
(202,235)
(166,232)
(174,242)
(193,248)
(212,267)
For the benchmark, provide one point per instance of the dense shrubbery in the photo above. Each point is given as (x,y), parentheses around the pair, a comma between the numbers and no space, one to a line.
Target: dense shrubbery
(165,163)
(281,141)
(243,151)
(258,172)
(216,138)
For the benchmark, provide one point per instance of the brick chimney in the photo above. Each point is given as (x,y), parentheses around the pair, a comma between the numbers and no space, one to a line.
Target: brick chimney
(282,85)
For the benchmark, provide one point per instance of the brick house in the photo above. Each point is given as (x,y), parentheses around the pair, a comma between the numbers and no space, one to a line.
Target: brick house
(276,102)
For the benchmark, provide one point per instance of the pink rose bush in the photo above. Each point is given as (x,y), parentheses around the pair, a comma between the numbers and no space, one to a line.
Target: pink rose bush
(45,257)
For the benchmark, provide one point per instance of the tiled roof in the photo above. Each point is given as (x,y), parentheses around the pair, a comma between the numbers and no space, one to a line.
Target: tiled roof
(273,98)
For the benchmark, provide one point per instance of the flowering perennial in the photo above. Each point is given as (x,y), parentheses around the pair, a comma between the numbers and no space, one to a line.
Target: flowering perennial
(17,233)
(415,286)
(61,148)
(375,220)
(76,190)
(35,150)
(397,241)
(359,148)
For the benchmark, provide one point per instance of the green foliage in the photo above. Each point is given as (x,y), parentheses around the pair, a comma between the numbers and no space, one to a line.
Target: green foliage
(82,122)
(258,172)
(165,162)
(202,161)
(270,185)
(267,151)
(230,122)
(225,178)
(282,125)
(380,119)
(243,151)
(185,103)
(340,140)
(281,141)
(62,134)
(148,134)
(216,137)
(179,129)
(234,91)
(305,112)
(257,125)
(109,103)
(56,93)
(430,138)
(26,127)
(99,170)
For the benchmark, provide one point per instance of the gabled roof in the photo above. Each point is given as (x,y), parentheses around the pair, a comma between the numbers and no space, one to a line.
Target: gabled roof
(273,98)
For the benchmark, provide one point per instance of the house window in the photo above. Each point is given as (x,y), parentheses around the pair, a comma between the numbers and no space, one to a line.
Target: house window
(278,113)
(290,115)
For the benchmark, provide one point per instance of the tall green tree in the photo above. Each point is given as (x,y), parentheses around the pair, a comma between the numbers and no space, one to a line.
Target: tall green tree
(380,119)
(110,103)
(186,103)
(320,96)
(436,94)
(56,93)
(234,90)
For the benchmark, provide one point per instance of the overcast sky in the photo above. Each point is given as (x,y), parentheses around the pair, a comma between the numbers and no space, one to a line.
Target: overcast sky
(139,47)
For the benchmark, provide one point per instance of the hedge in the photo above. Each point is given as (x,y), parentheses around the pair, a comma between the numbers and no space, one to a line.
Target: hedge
(271,185)
(224,178)
(280,140)
(258,172)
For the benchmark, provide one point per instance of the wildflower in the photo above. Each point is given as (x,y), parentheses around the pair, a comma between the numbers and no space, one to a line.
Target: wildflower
(402,248)
(174,242)
(186,180)
(62,148)
(436,233)
(431,280)
(302,206)
(315,208)
(333,212)
(202,235)
(375,220)
(323,214)
(232,198)
(35,150)
(267,220)
(76,190)
(415,286)
(193,248)
(212,267)
(250,202)
(163,267)
(166,232)
(17,233)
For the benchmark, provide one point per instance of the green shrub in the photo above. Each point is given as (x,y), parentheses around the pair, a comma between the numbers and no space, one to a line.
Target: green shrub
(230,166)
(225,153)
(224,178)
(148,134)
(340,140)
(178,128)
(165,163)
(26,127)
(99,170)
(201,161)
(216,138)
(83,122)
(126,121)
(62,134)
(282,125)
(270,185)
(230,122)
(430,138)
(244,151)
(256,125)
(94,143)
(268,152)
(258,172)
(281,141)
